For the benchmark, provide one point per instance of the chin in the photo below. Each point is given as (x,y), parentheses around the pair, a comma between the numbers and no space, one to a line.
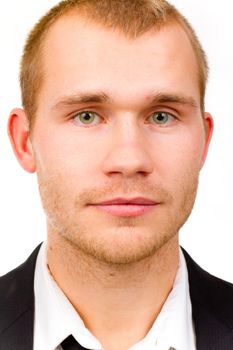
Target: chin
(123,247)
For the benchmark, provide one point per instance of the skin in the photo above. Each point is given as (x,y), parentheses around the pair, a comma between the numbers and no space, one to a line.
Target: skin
(127,259)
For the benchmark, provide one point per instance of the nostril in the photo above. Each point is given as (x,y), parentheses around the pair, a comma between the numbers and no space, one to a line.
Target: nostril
(128,159)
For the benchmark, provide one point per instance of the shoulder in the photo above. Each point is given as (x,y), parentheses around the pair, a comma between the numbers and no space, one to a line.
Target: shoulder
(16,291)
(197,274)
(23,273)
(209,293)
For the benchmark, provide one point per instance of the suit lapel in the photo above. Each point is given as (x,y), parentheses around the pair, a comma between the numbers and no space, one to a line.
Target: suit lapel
(212,306)
(17,306)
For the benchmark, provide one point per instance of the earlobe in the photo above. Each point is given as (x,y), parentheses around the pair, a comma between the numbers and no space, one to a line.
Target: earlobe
(18,131)
(209,127)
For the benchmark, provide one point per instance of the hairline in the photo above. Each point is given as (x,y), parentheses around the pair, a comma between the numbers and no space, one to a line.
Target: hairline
(41,74)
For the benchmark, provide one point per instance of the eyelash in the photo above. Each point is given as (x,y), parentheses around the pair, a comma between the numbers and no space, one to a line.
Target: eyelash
(173,117)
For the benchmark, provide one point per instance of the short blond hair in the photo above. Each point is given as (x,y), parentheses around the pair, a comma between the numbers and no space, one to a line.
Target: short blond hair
(131,17)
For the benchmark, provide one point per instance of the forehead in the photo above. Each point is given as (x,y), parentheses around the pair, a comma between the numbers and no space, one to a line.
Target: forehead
(80,55)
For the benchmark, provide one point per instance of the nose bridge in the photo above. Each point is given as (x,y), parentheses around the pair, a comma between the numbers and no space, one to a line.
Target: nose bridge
(128,152)
(127,131)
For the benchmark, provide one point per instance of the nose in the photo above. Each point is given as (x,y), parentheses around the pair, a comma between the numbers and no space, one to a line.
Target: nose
(129,152)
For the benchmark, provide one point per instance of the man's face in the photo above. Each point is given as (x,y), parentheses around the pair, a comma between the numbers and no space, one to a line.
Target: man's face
(119,180)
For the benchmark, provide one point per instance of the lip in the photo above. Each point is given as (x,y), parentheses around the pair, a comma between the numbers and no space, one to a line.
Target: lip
(127,207)
(127,201)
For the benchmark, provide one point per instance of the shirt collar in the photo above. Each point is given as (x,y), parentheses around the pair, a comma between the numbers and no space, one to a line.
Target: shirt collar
(56,318)
(174,326)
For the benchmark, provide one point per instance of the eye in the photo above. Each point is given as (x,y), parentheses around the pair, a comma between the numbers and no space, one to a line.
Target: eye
(86,118)
(162,118)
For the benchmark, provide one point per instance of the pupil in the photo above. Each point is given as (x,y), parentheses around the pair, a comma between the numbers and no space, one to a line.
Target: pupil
(86,116)
(160,117)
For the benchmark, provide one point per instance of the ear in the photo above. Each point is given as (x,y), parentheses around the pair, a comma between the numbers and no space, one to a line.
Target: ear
(18,131)
(209,127)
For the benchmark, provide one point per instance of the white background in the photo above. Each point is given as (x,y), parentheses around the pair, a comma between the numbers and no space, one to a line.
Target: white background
(208,235)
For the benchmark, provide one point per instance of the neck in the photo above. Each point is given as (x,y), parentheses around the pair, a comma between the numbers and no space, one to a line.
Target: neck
(109,297)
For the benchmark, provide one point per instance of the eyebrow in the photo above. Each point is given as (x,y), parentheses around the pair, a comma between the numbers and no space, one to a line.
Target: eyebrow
(175,98)
(102,97)
(83,98)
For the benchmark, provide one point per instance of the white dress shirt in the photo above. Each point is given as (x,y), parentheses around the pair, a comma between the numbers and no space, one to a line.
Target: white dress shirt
(56,318)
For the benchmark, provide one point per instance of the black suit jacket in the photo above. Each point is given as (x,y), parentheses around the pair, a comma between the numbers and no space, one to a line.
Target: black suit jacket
(212,305)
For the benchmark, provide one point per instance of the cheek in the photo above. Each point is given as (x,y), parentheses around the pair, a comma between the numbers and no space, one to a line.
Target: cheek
(182,158)
(64,153)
